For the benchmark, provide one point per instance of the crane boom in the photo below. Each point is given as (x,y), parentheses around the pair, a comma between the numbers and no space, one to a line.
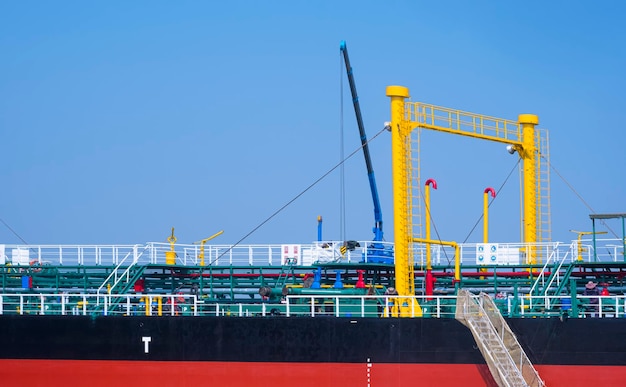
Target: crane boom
(378,216)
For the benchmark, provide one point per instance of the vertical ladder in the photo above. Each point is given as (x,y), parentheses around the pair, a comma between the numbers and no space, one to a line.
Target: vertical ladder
(415,187)
(505,357)
(543,187)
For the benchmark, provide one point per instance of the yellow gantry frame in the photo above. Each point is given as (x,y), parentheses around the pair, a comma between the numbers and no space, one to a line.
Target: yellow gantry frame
(406,116)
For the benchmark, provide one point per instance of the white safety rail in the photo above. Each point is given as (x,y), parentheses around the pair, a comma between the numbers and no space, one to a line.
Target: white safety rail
(104,304)
(608,250)
(607,306)
(70,255)
(503,254)
(214,255)
(305,305)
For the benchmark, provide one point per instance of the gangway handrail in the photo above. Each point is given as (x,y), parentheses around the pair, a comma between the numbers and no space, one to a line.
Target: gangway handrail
(496,341)
(556,273)
(127,271)
(544,269)
(136,257)
(113,273)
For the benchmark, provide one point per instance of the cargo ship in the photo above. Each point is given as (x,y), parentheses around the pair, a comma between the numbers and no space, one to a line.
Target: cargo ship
(415,311)
(304,314)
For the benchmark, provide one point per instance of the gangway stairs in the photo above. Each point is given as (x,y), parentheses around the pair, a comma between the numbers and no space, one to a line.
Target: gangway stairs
(505,357)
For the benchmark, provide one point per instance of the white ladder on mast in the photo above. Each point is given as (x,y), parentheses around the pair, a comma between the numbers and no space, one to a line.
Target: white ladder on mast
(505,357)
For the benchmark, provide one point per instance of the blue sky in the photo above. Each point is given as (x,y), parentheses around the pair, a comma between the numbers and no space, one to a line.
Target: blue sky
(120,120)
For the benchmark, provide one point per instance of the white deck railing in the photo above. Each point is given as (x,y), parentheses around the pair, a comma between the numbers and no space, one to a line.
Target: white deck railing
(613,306)
(608,250)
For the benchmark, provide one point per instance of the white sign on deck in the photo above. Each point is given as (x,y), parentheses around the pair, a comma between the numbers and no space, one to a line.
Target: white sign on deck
(291,254)
(494,254)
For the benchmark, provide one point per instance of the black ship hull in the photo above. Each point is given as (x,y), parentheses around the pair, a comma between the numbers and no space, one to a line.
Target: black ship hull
(324,351)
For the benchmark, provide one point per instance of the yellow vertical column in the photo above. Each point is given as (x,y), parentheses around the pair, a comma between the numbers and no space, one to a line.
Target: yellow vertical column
(399,144)
(529,159)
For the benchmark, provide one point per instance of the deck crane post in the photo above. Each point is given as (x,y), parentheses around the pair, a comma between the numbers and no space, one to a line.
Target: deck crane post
(377,252)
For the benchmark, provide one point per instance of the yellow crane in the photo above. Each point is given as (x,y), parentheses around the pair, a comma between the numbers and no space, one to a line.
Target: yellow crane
(202,242)
(581,249)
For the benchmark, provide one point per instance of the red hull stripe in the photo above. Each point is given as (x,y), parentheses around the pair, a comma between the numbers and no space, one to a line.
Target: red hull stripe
(106,373)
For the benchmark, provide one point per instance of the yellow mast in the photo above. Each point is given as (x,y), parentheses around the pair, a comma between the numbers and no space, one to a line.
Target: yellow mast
(399,150)
(527,153)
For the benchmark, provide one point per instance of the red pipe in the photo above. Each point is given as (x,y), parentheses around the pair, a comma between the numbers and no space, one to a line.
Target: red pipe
(431,182)
(492,191)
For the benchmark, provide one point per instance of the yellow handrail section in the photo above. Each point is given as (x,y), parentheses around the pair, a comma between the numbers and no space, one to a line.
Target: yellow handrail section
(464,123)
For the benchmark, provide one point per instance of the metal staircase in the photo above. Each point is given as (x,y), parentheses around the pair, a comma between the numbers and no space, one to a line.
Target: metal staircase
(286,269)
(505,357)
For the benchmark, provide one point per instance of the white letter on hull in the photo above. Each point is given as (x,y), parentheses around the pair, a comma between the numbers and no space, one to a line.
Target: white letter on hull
(146,343)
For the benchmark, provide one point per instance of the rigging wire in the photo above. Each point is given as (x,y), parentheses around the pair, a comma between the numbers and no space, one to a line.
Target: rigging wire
(341,162)
(432,221)
(13,231)
(492,199)
(580,197)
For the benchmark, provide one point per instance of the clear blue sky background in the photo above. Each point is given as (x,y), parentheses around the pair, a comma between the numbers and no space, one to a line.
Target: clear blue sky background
(122,119)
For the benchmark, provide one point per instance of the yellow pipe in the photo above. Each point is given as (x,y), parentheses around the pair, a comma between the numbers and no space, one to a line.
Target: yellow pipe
(486,213)
(146,300)
(427,220)
(159,306)
(457,255)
